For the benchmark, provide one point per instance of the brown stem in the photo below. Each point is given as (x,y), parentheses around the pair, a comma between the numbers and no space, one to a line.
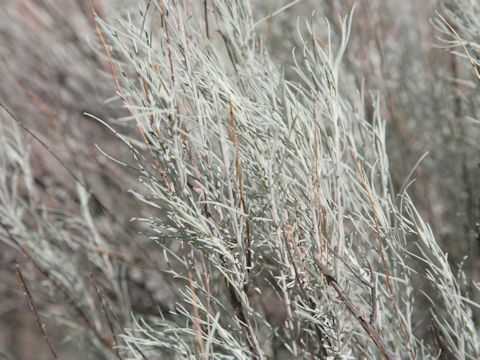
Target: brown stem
(373,315)
(371,331)
(33,307)
(124,98)
(318,329)
(71,300)
(475,66)
(105,311)
(196,320)
(384,260)
(240,185)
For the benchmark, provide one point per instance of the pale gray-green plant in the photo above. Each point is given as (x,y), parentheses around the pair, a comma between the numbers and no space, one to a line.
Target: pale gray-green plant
(270,204)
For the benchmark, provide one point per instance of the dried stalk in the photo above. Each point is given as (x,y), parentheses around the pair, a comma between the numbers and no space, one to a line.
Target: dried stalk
(369,328)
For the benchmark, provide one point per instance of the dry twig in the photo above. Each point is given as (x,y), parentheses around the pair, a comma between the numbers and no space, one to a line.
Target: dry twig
(33,307)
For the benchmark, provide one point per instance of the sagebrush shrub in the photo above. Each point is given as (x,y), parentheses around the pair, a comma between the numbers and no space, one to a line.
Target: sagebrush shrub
(268,224)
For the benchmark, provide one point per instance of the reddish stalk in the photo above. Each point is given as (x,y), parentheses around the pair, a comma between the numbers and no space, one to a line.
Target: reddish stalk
(382,253)
(240,185)
(122,95)
(33,307)
(58,286)
(152,118)
(196,321)
(475,66)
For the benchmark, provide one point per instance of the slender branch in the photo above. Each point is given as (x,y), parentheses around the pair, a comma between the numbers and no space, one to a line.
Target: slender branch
(318,328)
(225,40)
(58,286)
(42,143)
(317,181)
(369,328)
(124,98)
(209,299)
(382,253)
(373,315)
(242,315)
(167,33)
(105,311)
(205,10)
(240,185)
(33,307)
(352,270)
(475,66)
(152,118)
(196,320)
(372,284)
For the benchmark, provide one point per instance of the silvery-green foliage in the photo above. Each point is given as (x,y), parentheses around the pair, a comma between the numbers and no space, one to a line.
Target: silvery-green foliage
(275,126)
(270,204)
(62,246)
(460,29)
(461,16)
